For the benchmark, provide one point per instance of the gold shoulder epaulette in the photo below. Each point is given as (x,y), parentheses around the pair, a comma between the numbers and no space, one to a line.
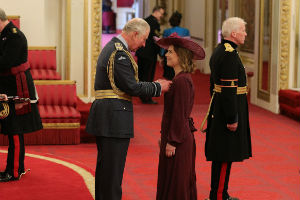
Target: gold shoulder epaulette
(14,30)
(228,47)
(118,46)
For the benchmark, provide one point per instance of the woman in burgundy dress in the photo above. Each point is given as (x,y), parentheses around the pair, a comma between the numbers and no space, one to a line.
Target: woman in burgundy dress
(176,169)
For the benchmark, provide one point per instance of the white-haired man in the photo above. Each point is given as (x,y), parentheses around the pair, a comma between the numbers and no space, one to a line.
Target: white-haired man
(228,133)
(111,114)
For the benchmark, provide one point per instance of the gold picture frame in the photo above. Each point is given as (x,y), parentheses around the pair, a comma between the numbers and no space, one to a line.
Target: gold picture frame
(245,10)
(265,46)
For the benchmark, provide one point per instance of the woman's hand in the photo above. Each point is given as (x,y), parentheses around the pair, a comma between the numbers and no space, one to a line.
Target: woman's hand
(170,150)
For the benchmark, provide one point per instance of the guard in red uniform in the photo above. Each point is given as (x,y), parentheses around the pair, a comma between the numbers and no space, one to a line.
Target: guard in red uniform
(228,134)
(16,80)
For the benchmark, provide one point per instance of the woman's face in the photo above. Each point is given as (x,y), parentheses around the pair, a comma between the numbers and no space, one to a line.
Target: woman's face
(172,57)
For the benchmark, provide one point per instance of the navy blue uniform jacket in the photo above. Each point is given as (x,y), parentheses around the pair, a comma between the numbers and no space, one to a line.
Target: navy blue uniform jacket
(114,117)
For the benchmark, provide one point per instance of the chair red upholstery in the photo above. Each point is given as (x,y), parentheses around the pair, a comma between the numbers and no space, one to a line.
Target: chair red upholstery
(289,103)
(15,20)
(57,106)
(57,101)
(42,62)
(61,120)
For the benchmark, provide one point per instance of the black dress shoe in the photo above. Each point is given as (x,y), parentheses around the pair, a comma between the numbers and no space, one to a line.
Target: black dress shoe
(7,177)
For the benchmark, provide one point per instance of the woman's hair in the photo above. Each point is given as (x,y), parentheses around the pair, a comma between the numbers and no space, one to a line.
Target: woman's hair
(185,57)
(175,19)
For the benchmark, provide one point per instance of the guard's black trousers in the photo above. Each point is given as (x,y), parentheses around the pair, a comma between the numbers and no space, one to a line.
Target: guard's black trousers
(220,172)
(16,155)
(111,160)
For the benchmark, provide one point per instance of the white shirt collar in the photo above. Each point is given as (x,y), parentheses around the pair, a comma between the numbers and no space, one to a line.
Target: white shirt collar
(123,41)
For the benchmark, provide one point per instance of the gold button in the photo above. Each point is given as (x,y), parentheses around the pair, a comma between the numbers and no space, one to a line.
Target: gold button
(212,116)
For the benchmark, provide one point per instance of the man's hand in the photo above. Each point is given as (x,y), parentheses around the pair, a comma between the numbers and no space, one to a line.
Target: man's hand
(164,84)
(18,106)
(170,150)
(232,127)
(3,97)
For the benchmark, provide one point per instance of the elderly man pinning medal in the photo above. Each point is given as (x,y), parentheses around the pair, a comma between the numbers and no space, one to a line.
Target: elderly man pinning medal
(111,114)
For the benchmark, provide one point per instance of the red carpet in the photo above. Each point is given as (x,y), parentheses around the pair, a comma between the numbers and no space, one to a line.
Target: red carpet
(272,174)
(45,180)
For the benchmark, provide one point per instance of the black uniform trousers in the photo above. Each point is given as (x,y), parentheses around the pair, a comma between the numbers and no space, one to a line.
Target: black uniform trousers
(111,160)
(220,172)
(146,72)
(16,155)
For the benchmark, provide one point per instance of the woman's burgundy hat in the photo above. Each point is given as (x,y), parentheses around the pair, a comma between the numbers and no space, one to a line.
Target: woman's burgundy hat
(174,39)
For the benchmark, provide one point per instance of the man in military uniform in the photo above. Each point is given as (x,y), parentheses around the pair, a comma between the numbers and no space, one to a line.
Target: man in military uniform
(16,80)
(228,133)
(147,56)
(111,114)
